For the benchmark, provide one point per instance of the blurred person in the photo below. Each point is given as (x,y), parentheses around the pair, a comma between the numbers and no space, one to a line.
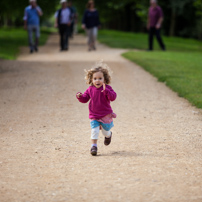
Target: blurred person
(32,23)
(73,17)
(91,23)
(63,22)
(155,19)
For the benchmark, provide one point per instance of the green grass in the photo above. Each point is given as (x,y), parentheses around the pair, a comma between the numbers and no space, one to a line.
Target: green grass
(127,40)
(180,67)
(12,38)
(182,72)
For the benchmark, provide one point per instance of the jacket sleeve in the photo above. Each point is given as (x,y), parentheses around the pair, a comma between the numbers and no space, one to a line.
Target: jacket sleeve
(109,92)
(85,97)
(84,18)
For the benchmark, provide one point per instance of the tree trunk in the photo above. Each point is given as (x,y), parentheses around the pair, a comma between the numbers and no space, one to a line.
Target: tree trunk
(173,22)
(200,29)
(5,21)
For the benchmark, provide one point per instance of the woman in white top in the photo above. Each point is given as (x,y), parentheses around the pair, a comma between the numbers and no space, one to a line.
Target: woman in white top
(63,22)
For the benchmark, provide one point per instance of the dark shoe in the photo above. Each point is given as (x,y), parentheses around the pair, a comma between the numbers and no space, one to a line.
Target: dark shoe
(66,49)
(93,151)
(31,50)
(36,49)
(108,140)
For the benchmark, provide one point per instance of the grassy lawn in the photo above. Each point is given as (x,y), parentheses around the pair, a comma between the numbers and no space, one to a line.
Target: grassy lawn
(180,67)
(117,39)
(12,38)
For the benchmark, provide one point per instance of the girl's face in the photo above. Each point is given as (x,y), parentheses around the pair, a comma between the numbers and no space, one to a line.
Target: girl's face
(98,79)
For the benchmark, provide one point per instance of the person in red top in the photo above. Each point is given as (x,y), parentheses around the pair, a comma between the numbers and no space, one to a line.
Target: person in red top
(155,19)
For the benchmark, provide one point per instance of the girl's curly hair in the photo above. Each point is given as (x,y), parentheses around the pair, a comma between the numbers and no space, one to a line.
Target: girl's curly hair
(98,67)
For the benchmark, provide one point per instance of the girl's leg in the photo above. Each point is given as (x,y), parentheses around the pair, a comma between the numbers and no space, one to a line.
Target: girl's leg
(94,141)
(108,136)
(94,138)
(95,133)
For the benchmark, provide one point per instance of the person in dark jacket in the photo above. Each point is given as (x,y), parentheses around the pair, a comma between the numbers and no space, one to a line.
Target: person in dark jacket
(63,22)
(91,23)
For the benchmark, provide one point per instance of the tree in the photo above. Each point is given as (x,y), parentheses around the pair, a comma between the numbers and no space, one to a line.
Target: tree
(198,6)
(177,7)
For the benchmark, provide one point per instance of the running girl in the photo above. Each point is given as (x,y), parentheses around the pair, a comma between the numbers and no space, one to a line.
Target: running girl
(100,95)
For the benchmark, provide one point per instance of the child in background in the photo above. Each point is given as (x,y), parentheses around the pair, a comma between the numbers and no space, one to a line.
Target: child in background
(100,112)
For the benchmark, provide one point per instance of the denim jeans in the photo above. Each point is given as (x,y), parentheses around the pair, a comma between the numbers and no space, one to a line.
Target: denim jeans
(36,30)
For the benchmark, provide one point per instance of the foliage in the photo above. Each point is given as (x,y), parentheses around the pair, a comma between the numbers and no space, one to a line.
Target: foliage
(198,6)
(178,5)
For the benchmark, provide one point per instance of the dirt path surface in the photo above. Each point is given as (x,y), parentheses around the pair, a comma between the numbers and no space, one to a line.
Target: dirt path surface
(156,150)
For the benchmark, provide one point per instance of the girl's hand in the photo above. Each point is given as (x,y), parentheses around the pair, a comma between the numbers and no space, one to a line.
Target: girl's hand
(78,95)
(104,87)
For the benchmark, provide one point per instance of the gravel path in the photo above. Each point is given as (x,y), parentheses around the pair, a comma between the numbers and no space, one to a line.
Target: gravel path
(156,150)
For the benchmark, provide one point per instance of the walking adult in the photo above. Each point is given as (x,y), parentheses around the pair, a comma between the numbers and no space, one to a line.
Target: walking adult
(73,17)
(90,23)
(155,19)
(31,19)
(63,22)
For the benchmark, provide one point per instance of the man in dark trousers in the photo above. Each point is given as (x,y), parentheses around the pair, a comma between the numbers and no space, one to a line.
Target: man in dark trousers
(63,22)
(155,19)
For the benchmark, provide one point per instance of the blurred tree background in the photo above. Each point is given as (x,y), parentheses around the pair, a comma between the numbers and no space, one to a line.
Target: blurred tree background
(181,17)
